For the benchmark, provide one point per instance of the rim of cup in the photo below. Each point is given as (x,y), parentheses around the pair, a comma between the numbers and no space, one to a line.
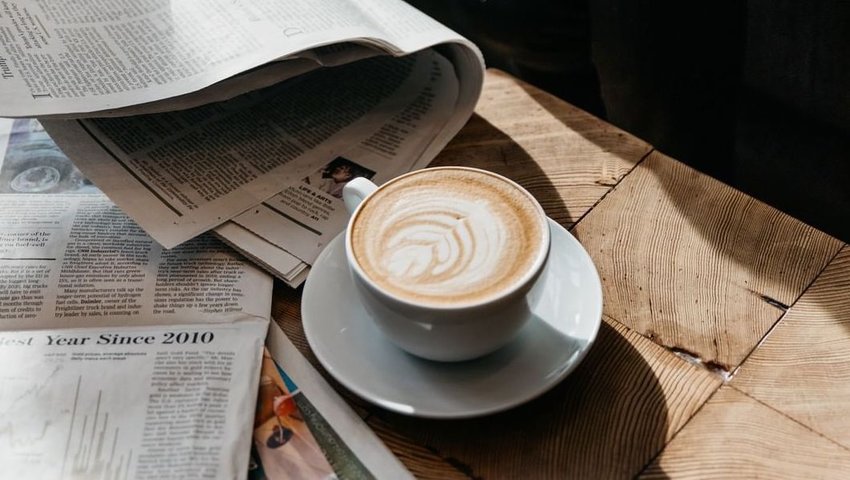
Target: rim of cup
(508,293)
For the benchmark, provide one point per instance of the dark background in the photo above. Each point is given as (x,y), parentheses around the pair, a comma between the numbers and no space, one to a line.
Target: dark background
(755,93)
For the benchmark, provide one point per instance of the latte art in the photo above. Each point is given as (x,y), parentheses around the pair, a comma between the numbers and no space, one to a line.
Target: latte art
(441,247)
(447,236)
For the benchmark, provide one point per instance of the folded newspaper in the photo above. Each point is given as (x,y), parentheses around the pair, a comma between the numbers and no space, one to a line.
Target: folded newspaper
(122,359)
(246,118)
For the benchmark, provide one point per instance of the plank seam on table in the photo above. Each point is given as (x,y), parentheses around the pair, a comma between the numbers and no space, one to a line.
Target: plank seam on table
(676,433)
(807,427)
(679,358)
(782,317)
(698,410)
(681,354)
(772,301)
(613,187)
(462,467)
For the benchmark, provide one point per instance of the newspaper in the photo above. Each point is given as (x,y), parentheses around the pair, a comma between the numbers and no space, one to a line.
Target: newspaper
(117,57)
(246,118)
(118,358)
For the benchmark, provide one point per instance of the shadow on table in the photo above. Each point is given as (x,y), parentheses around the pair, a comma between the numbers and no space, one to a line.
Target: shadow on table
(732,258)
(608,419)
(778,258)
(766,257)
(608,137)
(481,145)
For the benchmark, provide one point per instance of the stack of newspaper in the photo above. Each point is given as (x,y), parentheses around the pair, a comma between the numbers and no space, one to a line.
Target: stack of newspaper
(122,359)
(246,118)
(131,339)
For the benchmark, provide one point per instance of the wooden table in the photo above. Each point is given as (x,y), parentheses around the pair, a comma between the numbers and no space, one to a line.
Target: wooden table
(725,344)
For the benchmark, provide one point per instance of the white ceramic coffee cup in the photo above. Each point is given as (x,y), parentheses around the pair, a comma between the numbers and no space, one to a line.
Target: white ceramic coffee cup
(443,333)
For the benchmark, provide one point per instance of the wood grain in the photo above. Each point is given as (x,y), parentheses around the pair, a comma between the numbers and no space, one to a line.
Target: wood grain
(696,265)
(606,420)
(735,437)
(566,157)
(803,367)
(687,263)
(422,462)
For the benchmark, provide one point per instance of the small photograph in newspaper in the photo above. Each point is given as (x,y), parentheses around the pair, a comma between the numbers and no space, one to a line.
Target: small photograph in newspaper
(291,438)
(34,164)
(336,174)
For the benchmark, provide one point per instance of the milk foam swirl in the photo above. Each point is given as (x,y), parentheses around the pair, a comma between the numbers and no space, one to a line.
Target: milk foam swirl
(447,240)
(442,248)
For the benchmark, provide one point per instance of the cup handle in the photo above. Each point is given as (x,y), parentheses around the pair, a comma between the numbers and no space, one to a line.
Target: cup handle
(355,191)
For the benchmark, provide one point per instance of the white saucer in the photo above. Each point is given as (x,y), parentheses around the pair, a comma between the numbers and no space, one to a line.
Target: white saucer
(567,303)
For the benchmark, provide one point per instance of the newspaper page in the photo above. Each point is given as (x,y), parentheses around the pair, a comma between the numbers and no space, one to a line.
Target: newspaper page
(79,58)
(128,402)
(303,429)
(118,359)
(179,174)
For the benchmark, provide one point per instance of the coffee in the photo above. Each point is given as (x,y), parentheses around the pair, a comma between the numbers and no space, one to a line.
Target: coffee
(448,236)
